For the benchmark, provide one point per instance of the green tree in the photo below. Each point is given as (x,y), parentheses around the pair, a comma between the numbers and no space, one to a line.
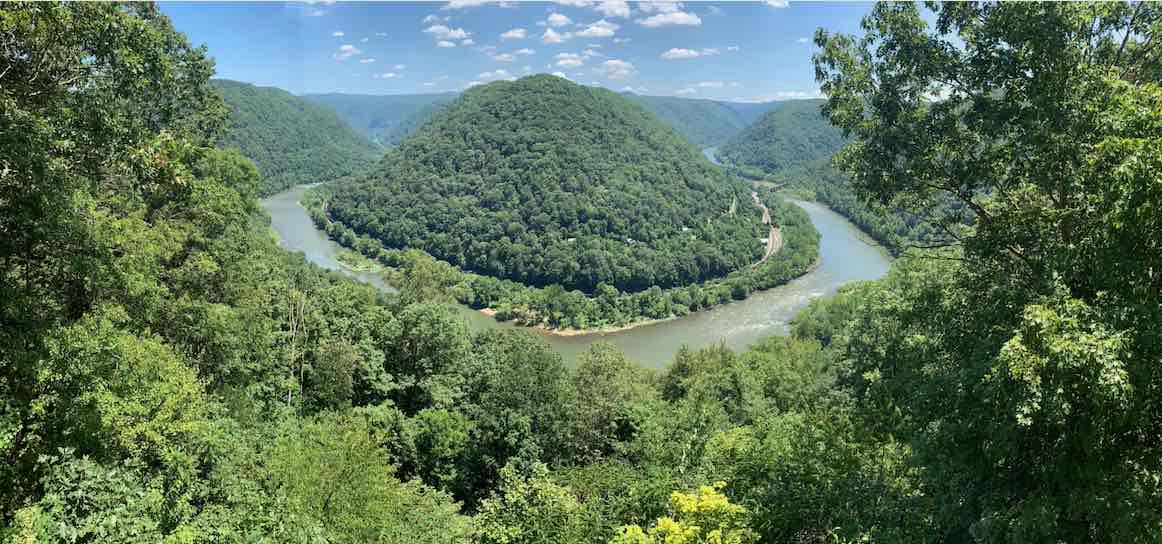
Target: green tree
(1023,371)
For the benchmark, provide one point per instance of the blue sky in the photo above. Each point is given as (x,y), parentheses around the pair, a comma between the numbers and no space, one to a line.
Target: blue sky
(747,51)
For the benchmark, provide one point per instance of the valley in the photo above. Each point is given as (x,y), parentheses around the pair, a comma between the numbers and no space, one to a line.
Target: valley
(249,295)
(844,257)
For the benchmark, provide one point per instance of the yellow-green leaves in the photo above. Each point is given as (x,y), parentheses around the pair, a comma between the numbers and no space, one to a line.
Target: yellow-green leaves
(705,516)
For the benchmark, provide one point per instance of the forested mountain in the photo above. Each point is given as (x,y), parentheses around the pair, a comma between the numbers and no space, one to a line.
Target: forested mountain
(702,122)
(168,374)
(545,182)
(292,140)
(791,135)
(384,119)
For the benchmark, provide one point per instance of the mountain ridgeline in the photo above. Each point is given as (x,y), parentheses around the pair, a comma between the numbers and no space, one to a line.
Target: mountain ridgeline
(546,182)
(291,140)
(791,135)
(383,119)
(702,122)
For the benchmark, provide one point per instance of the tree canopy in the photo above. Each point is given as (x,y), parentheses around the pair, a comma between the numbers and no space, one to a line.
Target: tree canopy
(545,182)
(290,139)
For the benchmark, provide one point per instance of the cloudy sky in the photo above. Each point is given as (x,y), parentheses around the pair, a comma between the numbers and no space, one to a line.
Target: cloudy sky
(747,51)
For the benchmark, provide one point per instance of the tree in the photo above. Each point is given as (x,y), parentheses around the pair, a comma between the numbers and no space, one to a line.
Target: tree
(704,516)
(1022,371)
(336,479)
(528,509)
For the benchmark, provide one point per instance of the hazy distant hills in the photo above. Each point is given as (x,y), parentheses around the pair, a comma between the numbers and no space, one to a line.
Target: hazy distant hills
(788,136)
(703,122)
(383,119)
(291,140)
(388,119)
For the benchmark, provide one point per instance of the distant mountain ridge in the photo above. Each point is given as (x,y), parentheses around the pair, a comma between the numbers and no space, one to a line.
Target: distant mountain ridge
(794,134)
(291,140)
(388,119)
(383,119)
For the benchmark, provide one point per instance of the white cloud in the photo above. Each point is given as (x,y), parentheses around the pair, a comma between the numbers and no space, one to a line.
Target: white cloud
(683,53)
(514,34)
(635,90)
(315,12)
(685,91)
(468,42)
(429,84)
(588,53)
(494,75)
(803,40)
(575,3)
(713,10)
(385,75)
(381,34)
(432,19)
(445,43)
(363,40)
(504,57)
(569,60)
(552,36)
(600,29)
(669,19)
(338,34)
(562,75)
(732,48)
(527,69)
(782,95)
(557,20)
(443,32)
(777,3)
(615,69)
(658,7)
(680,53)
(622,40)
(366,61)
(710,84)
(461,4)
(613,8)
(473,83)
(525,51)
(401,66)
(346,51)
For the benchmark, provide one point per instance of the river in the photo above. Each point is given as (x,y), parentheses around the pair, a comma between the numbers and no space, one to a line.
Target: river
(845,256)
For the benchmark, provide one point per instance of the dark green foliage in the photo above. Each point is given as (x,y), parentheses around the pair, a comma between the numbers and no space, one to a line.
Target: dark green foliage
(167,374)
(793,134)
(546,182)
(386,120)
(292,140)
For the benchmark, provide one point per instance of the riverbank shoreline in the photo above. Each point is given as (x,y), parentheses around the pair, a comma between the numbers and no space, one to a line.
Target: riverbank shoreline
(844,256)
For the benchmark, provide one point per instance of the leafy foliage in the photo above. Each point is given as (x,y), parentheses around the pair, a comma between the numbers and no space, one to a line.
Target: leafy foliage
(793,134)
(545,182)
(292,140)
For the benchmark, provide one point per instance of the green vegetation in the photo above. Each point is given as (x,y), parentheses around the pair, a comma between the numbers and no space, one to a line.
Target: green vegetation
(546,182)
(554,307)
(167,374)
(792,148)
(292,140)
(570,206)
(702,122)
(383,119)
(791,135)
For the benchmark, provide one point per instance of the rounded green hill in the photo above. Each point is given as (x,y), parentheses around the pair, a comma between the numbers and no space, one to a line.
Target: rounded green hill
(543,181)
